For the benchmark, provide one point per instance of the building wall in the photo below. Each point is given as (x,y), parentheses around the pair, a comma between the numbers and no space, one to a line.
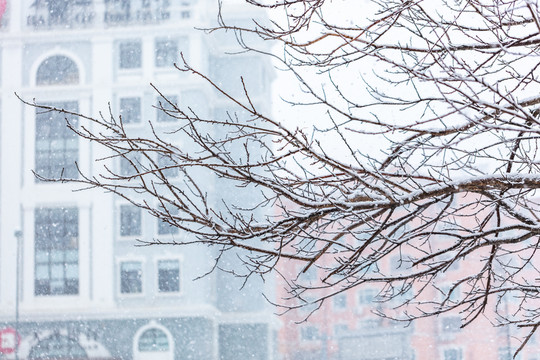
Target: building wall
(201,318)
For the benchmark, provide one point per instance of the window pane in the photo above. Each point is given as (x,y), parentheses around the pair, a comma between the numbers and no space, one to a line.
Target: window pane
(130,220)
(153,340)
(452,354)
(451,323)
(169,275)
(56,146)
(166,165)
(166,53)
(130,55)
(57,70)
(166,116)
(130,110)
(366,296)
(131,277)
(340,301)
(164,228)
(56,251)
(309,333)
(127,166)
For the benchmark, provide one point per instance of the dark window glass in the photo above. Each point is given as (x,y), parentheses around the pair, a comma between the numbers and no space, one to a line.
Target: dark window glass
(57,147)
(127,167)
(169,275)
(166,53)
(166,115)
(130,55)
(340,301)
(309,333)
(451,323)
(366,296)
(453,354)
(153,340)
(167,166)
(57,69)
(56,235)
(165,228)
(130,220)
(130,110)
(131,277)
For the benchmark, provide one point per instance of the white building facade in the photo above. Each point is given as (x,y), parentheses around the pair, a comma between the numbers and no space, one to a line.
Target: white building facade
(85,291)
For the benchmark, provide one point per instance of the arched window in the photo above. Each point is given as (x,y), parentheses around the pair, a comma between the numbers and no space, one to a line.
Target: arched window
(57,347)
(57,70)
(153,339)
(153,342)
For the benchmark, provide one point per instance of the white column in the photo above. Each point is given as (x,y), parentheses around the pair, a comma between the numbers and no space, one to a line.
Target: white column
(101,213)
(11,128)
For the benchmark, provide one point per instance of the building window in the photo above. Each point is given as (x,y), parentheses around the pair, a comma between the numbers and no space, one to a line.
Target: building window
(309,333)
(131,277)
(56,146)
(130,55)
(166,115)
(167,166)
(450,293)
(169,275)
(340,301)
(130,220)
(56,235)
(153,340)
(166,53)
(57,70)
(128,164)
(452,354)
(366,296)
(165,228)
(451,323)
(309,276)
(130,110)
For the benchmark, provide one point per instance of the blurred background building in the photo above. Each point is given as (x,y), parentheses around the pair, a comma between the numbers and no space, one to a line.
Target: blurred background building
(72,283)
(346,326)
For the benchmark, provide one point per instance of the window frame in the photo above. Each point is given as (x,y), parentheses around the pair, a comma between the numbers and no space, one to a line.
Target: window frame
(121,96)
(130,259)
(304,329)
(39,141)
(57,52)
(169,40)
(119,219)
(44,62)
(158,222)
(361,296)
(123,42)
(452,348)
(135,157)
(159,163)
(158,111)
(153,355)
(448,330)
(48,249)
(335,306)
(180,291)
